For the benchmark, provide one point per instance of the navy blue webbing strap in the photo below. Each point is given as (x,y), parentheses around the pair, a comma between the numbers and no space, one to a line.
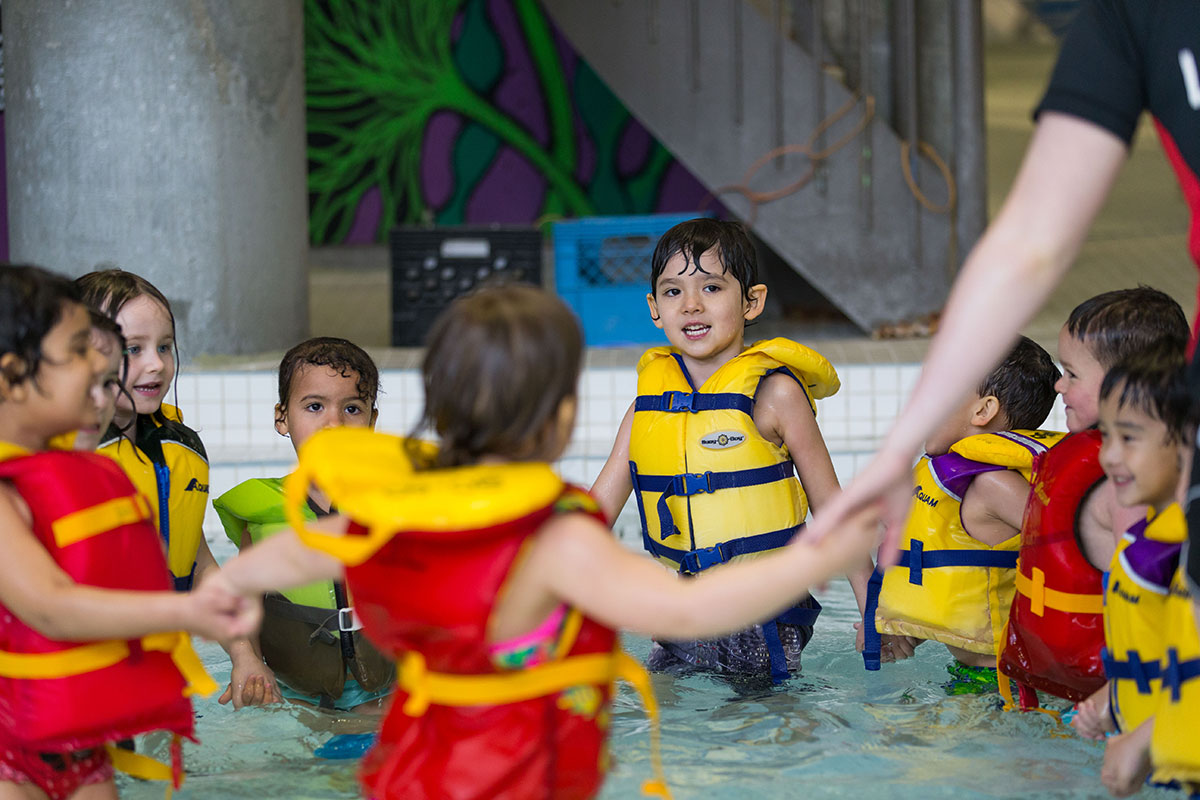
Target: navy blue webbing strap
(779,670)
(916,560)
(1132,669)
(872,643)
(1176,673)
(696,561)
(675,402)
(693,483)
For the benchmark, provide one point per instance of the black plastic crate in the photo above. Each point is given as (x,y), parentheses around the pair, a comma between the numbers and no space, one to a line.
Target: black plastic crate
(432,266)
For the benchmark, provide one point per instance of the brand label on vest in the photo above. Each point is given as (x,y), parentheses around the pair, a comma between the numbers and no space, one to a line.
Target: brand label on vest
(924,497)
(196,486)
(722,440)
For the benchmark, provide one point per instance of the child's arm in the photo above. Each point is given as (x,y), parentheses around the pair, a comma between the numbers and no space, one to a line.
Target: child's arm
(994,505)
(283,561)
(37,591)
(576,560)
(1127,760)
(251,681)
(613,484)
(1102,520)
(782,413)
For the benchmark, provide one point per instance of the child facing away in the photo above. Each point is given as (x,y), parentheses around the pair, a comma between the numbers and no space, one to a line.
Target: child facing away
(1073,520)
(954,582)
(309,637)
(1147,423)
(163,457)
(713,444)
(93,631)
(500,587)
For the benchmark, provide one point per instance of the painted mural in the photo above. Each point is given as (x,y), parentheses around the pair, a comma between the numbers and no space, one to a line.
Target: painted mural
(466,111)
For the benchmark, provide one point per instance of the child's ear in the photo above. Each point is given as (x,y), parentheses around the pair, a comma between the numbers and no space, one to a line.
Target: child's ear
(654,315)
(281,426)
(756,299)
(985,411)
(12,376)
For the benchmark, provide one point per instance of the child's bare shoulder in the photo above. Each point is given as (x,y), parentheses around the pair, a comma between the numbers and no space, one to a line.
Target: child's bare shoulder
(783,393)
(15,504)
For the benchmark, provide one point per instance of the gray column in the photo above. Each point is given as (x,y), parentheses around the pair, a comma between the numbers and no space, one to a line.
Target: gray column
(168,138)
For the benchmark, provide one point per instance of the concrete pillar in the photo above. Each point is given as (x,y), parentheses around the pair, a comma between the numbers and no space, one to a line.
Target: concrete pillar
(167,138)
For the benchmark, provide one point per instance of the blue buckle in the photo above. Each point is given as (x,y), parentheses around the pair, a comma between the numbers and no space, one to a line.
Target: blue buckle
(696,561)
(686,401)
(690,483)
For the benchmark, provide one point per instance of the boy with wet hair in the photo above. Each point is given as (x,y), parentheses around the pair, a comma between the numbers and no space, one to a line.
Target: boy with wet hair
(721,446)
(955,580)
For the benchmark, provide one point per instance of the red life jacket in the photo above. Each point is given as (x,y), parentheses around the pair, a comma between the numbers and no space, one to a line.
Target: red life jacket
(59,696)
(433,594)
(1056,627)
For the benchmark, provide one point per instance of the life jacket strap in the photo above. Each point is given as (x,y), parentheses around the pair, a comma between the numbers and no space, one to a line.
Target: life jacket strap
(137,765)
(1131,669)
(425,688)
(872,641)
(100,518)
(99,655)
(693,562)
(1041,598)
(1176,673)
(692,402)
(916,560)
(693,483)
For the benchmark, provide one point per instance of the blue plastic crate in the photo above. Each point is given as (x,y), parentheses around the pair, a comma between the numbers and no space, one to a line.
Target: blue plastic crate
(602,270)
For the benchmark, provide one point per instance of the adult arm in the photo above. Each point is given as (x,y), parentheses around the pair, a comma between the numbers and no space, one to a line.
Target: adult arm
(1066,175)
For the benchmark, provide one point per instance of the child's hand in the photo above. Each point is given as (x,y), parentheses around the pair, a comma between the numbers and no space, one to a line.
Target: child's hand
(854,540)
(251,682)
(1127,760)
(1092,719)
(891,647)
(215,611)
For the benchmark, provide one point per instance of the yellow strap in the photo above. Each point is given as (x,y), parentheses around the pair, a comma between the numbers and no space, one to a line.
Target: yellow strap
(87,522)
(426,688)
(98,655)
(1005,686)
(1041,598)
(137,765)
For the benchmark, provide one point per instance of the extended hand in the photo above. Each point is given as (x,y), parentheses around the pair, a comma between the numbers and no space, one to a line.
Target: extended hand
(886,485)
(218,612)
(251,683)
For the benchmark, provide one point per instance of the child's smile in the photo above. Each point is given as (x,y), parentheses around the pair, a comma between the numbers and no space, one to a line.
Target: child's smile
(703,310)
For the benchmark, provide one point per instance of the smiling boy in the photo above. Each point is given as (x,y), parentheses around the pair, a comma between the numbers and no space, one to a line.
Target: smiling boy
(721,446)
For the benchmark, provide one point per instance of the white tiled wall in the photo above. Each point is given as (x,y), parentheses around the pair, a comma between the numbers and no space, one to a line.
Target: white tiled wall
(234,413)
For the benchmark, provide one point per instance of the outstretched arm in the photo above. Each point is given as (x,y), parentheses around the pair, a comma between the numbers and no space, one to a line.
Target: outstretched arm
(613,484)
(577,561)
(283,562)
(1066,175)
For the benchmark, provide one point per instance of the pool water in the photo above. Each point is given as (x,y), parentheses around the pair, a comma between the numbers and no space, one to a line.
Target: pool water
(834,731)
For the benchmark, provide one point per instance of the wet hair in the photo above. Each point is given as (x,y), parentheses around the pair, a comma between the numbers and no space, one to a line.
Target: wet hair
(1156,384)
(696,237)
(1024,385)
(341,355)
(32,301)
(1118,326)
(500,361)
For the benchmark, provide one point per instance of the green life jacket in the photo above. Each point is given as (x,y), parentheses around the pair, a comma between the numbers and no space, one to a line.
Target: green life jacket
(308,637)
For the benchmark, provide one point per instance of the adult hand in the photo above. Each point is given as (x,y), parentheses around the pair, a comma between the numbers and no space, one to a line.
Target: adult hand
(886,484)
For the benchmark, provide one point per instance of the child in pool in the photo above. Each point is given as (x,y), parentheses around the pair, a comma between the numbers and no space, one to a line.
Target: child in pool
(323,382)
(971,489)
(713,444)
(1147,422)
(1073,520)
(68,608)
(163,457)
(501,586)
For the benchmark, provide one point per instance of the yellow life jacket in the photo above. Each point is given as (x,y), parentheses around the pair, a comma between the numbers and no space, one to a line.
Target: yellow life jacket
(709,487)
(949,586)
(168,465)
(1135,600)
(1174,746)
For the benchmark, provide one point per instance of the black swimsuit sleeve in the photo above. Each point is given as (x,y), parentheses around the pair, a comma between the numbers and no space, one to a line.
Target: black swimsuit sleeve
(1099,73)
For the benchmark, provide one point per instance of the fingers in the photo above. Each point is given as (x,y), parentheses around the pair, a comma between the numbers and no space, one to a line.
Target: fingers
(226,695)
